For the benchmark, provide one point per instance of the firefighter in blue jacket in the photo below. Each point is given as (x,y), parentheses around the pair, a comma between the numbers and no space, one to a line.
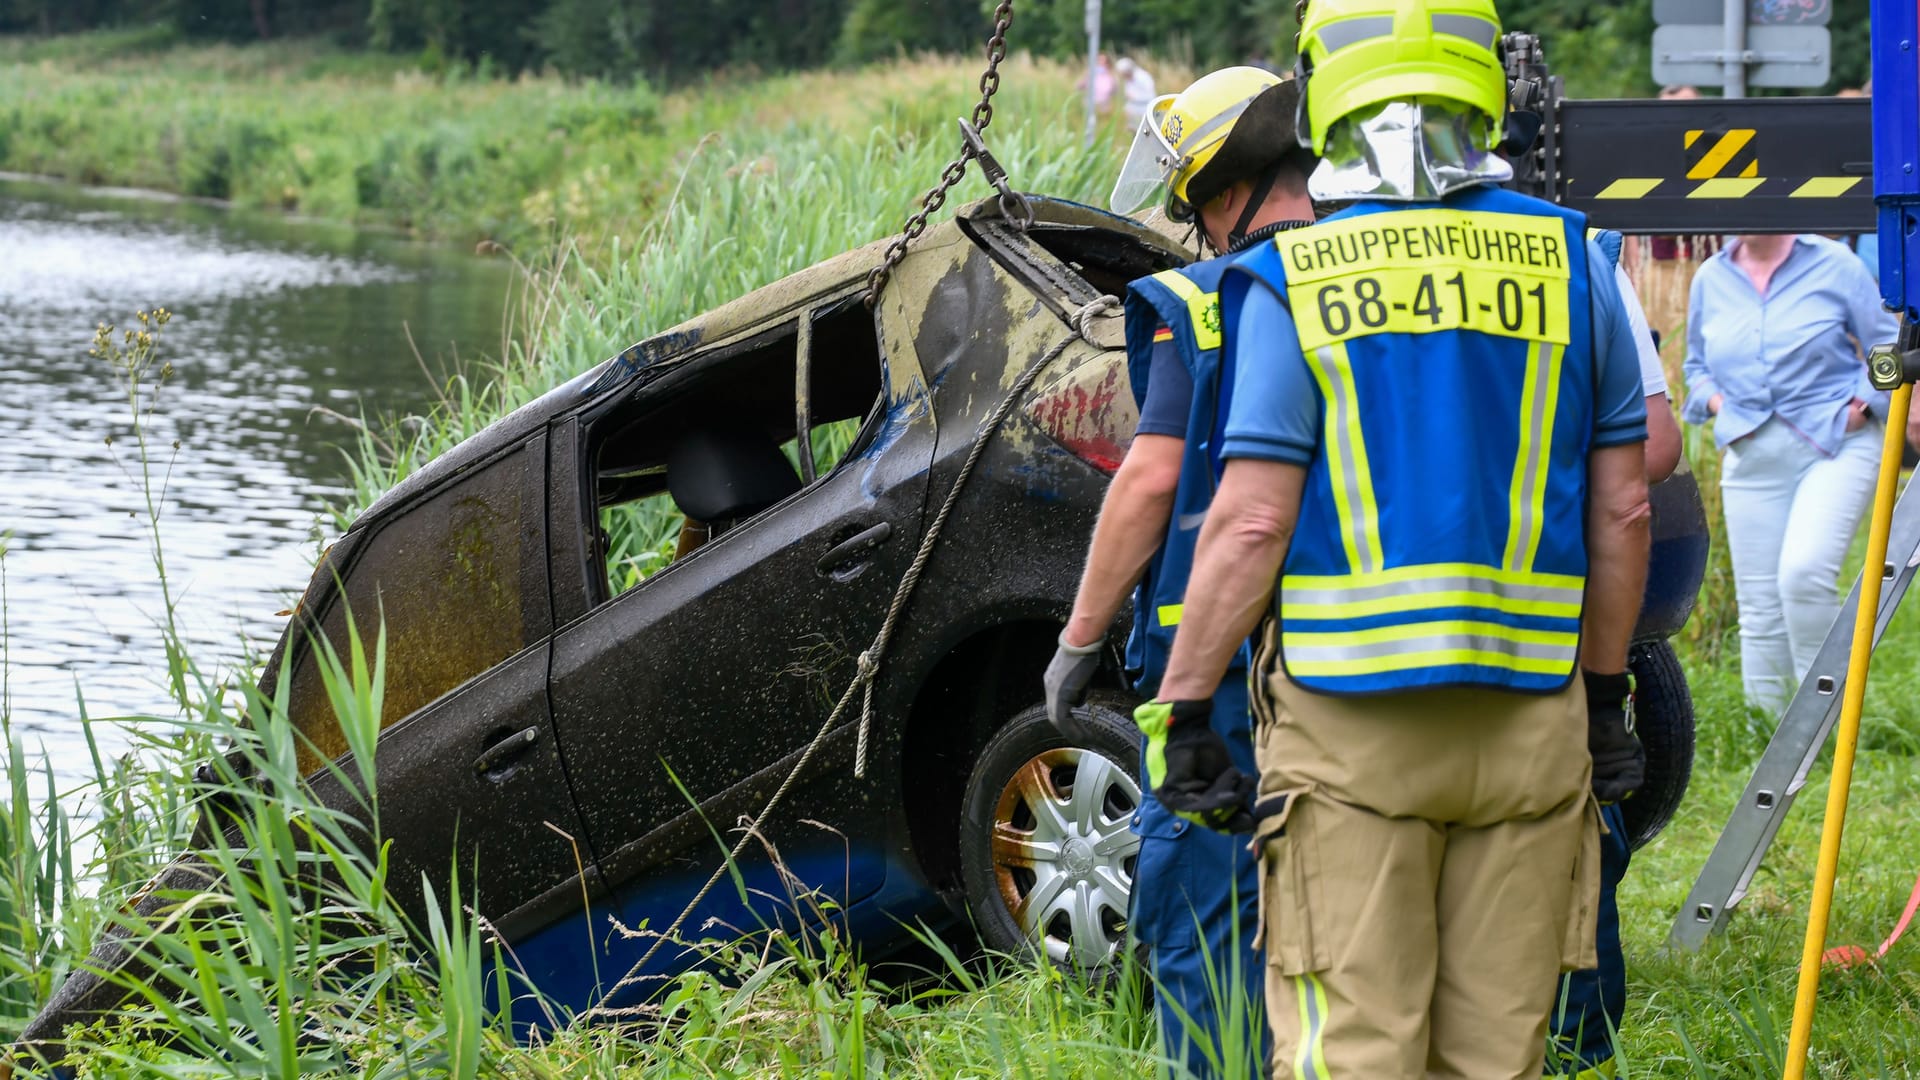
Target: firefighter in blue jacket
(1226,152)
(1433,502)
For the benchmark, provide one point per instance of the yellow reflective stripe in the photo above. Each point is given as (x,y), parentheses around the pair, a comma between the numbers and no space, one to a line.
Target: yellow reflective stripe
(1726,187)
(1404,631)
(1203,308)
(1825,187)
(1377,665)
(1630,188)
(1346,448)
(1310,1057)
(1388,605)
(1436,571)
(1170,614)
(1527,494)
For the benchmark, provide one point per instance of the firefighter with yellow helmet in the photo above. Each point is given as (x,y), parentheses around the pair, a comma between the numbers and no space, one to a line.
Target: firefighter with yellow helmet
(1432,505)
(1225,155)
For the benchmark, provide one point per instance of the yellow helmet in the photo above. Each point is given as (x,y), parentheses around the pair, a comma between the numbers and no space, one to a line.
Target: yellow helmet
(1359,53)
(1183,133)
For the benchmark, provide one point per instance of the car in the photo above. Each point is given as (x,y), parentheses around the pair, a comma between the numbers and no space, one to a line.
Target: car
(577,721)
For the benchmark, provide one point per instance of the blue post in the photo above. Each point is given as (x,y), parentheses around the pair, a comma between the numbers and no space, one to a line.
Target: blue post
(1896,150)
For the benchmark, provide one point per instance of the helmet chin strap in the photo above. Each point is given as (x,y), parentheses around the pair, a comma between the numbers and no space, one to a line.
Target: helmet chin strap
(1263,188)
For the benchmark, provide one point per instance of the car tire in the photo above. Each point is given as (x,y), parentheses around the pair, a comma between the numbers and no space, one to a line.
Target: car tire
(1663,715)
(1047,851)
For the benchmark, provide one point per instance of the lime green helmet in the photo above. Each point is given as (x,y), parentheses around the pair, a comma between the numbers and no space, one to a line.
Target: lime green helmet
(1358,53)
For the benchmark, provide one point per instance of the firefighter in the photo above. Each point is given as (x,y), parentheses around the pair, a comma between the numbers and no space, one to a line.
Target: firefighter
(1434,481)
(1226,153)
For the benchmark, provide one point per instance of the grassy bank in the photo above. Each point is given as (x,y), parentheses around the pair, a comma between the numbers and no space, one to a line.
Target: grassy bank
(369,138)
(797,169)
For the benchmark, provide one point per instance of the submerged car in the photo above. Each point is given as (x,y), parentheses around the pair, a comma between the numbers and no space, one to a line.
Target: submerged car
(579,726)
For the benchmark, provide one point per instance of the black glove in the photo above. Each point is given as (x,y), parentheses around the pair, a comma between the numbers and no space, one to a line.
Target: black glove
(1190,769)
(1072,668)
(1619,759)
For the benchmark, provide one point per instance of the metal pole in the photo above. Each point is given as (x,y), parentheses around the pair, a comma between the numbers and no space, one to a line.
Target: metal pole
(1093,63)
(1806,997)
(1733,44)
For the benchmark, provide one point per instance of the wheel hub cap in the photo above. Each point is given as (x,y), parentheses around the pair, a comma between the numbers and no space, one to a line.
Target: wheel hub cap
(1064,855)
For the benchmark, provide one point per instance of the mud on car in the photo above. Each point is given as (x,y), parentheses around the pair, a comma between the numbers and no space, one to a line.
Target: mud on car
(541,687)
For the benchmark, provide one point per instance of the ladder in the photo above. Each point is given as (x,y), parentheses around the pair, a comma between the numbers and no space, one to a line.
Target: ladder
(1796,744)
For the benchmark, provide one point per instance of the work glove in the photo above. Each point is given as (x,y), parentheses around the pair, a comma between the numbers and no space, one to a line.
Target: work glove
(1072,668)
(1189,768)
(1619,759)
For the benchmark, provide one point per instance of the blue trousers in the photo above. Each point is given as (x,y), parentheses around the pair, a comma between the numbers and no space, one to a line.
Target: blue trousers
(1592,1002)
(1196,909)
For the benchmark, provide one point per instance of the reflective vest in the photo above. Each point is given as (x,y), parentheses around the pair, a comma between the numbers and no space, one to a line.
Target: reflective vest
(1183,304)
(1441,536)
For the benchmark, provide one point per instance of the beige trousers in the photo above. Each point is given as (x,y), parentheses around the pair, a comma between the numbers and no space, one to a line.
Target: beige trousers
(1435,869)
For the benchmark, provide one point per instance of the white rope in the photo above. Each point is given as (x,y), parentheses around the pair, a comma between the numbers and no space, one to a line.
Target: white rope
(868,666)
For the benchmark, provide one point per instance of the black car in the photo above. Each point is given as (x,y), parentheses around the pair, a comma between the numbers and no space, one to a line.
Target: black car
(549,716)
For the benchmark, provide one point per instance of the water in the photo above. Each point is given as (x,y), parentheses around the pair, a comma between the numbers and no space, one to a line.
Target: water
(273,321)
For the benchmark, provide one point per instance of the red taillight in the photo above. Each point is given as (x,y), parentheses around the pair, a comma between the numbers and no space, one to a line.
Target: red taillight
(1089,410)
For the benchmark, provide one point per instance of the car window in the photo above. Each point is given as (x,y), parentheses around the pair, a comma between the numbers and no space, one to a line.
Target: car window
(448,576)
(737,432)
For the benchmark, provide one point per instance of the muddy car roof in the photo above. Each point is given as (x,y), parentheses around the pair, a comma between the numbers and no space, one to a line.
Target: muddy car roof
(841,273)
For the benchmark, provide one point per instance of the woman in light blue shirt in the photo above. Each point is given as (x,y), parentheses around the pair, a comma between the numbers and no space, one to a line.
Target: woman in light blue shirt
(1772,326)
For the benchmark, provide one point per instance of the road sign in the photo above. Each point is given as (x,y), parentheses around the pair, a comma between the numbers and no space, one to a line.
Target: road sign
(1759,12)
(1776,55)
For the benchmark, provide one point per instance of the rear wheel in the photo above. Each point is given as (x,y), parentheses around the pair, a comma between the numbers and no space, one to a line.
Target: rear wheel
(1663,715)
(1046,848)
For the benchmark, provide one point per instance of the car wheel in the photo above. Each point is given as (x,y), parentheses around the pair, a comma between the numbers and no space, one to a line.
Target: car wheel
(1046,848)
(1663,715)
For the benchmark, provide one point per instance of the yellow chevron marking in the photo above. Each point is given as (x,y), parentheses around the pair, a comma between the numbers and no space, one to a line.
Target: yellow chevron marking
(1726,187)
(1693,137)
(1826,187)
(1752,169)
(1722,152)
(1629,188)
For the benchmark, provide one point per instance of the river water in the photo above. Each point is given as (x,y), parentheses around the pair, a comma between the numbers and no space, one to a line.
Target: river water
(273,320)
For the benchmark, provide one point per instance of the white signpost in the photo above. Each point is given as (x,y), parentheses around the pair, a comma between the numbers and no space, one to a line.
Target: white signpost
(1742,43)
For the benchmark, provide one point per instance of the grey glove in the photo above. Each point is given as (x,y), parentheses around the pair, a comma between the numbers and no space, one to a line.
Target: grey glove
(1072,668)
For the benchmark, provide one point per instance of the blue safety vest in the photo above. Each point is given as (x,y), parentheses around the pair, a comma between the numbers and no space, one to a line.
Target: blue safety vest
(1187,303)
(1441,535)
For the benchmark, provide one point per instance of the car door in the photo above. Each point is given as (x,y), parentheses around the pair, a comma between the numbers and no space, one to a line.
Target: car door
(468,771)
(683,703)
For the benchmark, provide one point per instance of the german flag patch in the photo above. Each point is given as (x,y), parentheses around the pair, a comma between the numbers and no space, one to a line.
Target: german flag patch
(1165,333)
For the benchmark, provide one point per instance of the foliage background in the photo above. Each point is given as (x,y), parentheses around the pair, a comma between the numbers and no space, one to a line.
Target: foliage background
(1601,45)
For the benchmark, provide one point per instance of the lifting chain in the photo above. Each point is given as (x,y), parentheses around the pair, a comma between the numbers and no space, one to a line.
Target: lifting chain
(936,197)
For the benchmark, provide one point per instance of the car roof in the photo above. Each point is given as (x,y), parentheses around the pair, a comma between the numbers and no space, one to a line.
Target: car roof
(729,320)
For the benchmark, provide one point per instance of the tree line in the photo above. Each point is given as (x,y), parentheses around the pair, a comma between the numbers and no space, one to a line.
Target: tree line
(1601,45)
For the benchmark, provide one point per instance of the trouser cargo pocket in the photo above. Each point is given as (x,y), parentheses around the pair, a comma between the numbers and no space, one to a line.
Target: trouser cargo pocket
(1290,888)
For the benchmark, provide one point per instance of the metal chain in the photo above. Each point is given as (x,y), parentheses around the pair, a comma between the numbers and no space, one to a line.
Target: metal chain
(936,196)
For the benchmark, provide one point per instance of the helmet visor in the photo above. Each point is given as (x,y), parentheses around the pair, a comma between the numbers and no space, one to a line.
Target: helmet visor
(1150,165)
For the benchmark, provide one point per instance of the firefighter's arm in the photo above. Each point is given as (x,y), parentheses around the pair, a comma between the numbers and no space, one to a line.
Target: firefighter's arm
(1133,522)
(1663,439)
(1241,548)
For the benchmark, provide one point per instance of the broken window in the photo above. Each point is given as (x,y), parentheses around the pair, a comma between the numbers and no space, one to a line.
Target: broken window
(727,437)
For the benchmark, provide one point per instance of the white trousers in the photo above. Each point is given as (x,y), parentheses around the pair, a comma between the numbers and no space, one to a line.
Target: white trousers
(1792,512)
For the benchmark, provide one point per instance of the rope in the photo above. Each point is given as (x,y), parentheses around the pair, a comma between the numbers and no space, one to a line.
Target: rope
(868,665)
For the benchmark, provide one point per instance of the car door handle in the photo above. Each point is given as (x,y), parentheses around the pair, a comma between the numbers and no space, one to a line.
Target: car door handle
(506,750)
(854,547)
